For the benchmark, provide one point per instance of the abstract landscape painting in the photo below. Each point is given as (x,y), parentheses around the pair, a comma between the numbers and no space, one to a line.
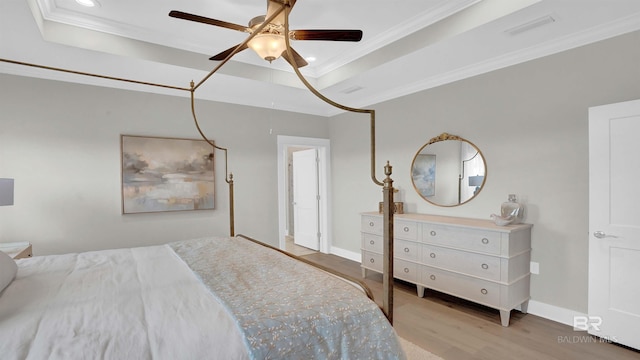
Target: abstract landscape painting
(166,174)
(424,174)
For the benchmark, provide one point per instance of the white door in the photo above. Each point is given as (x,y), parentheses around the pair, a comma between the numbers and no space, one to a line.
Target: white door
(305,198)
(614,223)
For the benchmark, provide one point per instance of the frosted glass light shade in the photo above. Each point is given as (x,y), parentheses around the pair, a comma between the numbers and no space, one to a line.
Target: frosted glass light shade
(268,46)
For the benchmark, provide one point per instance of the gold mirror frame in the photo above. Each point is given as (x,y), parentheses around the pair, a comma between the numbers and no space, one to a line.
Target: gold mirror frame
(468,168)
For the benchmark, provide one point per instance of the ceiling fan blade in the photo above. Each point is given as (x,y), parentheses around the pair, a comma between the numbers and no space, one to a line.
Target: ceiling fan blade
(331,35)
(300,61)
(205,20)
(223,55)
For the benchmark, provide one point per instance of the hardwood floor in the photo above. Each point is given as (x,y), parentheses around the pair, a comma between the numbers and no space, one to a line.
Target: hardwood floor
(455,329)
(295,249)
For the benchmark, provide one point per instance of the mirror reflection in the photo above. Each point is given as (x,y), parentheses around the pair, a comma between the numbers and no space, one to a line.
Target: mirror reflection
(448,170)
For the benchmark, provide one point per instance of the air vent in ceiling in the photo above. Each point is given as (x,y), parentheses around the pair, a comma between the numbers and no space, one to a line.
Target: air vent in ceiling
(352,89)
(548,19)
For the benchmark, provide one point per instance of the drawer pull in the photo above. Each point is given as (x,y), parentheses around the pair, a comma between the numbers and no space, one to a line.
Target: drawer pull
(371,223)
(485,241)
(372,242)
(371,260)
(432,277)
(484,291)
(433,233)
(485,266)
(433,255)
(406,250)
(406,229)
(406,270)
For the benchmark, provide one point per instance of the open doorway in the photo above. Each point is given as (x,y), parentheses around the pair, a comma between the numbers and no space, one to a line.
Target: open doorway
(311,222)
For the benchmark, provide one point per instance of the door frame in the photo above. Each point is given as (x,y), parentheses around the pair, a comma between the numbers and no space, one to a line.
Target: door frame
(324,175)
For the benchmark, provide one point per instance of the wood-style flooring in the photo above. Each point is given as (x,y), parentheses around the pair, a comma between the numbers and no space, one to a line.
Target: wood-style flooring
(455,329)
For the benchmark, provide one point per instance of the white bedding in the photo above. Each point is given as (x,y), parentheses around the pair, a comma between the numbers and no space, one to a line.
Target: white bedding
(139,303)
(144,303)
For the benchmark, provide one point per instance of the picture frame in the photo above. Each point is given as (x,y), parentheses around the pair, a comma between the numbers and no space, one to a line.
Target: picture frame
(161,174)
(424,174)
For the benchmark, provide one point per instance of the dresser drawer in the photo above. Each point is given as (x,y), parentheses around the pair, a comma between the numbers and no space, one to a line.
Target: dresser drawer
(372,261)
(371,225)
(479,265)
(407,250)
(480,291)
(405,230)
(468,239)
(405,270)
(372,242)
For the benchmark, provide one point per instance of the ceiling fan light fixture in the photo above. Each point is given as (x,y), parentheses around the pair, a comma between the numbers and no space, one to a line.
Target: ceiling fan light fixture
(268,46)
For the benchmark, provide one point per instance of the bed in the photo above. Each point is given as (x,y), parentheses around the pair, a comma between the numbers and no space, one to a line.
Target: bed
(209,298)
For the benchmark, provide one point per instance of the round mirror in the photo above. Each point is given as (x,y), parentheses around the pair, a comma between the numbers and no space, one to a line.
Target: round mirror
(448,170)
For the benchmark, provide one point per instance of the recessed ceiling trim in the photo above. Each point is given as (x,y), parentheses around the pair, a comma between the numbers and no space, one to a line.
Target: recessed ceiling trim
(473,16)
(50,12)
(615,28)
(104,42)
(418,22)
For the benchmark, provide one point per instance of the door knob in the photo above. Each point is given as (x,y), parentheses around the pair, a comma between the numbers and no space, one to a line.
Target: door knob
(601,235)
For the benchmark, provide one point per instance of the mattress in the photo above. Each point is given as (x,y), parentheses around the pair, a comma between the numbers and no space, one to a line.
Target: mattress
(214,298)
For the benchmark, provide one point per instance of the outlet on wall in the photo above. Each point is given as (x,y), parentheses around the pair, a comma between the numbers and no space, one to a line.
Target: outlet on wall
(534,268)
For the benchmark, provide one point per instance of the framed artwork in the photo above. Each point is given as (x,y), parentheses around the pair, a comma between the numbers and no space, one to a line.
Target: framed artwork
(424,174)
(166,174)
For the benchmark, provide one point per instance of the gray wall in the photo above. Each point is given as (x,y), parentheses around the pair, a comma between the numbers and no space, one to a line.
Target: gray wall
(530,121)
(61,143)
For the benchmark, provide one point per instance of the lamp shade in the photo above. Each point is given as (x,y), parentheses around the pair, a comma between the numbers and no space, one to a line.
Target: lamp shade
(268,46)
(476,180)
(6,192)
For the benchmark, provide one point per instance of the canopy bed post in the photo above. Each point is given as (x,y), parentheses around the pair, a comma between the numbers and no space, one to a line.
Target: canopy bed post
(388,206)
(228,176)
(232,230)
(387,244)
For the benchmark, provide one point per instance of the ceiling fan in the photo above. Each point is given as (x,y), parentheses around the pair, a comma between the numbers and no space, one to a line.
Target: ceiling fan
(270,44)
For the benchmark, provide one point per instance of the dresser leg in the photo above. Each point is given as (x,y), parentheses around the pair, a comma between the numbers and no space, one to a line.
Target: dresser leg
(364,272)
(420,291)
(504,317)
(524,307)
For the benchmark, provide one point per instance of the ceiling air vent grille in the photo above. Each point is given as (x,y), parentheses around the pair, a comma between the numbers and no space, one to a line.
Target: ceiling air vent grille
(352,89)
(548,19)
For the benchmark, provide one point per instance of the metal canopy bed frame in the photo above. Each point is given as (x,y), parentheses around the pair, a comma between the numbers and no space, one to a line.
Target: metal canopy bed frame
(386,183)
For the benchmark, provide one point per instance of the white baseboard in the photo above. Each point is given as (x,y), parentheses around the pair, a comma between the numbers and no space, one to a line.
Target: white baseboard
(553,313)
(543,310)
(347,254)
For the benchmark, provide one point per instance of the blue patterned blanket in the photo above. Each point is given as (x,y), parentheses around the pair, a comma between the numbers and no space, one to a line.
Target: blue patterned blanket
(287,309)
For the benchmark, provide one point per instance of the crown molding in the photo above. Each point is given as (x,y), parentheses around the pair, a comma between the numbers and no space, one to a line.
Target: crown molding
(49,11)
(619,27)
(418,22)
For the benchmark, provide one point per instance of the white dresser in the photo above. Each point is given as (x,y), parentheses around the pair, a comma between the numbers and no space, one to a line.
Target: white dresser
(469,258)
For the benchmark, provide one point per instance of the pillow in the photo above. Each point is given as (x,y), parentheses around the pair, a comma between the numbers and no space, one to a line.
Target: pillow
(8,270)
